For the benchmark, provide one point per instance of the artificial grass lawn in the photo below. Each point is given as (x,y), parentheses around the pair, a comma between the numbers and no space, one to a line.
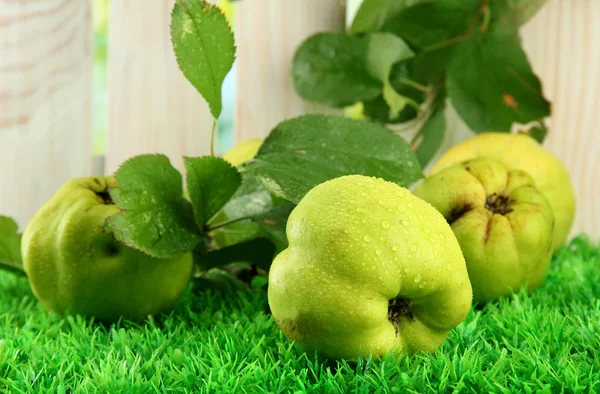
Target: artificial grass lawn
(227,343)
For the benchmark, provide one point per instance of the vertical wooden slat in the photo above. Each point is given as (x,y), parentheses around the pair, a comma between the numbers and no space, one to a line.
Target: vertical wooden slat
(562,43)
(268,33)
(152,107)
(45,85)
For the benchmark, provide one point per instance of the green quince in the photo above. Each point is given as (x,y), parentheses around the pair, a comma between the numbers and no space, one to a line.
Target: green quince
(503,223)
(370,269)
(74,266)
(521,152)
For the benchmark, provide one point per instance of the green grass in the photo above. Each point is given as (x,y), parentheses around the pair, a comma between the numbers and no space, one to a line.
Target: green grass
(226,343)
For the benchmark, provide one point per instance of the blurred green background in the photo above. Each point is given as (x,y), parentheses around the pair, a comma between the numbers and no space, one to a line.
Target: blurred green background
(100,92)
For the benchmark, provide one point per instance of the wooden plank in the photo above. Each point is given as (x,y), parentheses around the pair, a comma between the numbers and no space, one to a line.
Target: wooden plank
(268,33)
(152,107)
(45,103)
(562,44)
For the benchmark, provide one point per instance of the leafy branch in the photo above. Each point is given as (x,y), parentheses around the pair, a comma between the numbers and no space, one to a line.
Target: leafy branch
(426,53)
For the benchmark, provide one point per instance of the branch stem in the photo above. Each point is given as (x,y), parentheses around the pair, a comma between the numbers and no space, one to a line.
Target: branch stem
(212,137)
(227,223)
(413,84)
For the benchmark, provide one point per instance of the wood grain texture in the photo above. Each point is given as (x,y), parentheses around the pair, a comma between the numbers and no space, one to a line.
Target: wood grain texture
(152,107)
(563,44)
(268,33)
(45,100)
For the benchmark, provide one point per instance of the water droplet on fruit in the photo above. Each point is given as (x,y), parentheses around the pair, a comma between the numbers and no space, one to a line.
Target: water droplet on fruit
(443,236)
(378,252)
(405,222)
(436,252)
(352,201)
(359,209)
(427,231)
(401,208)
(433,240)
(395,248)
(413,248)
(421,217)
(380,202)
(422,285)
(368,238)
(363,194)
(418,278)
(426,263)
(406,269)
(405,231)
(349,286)
(385,225)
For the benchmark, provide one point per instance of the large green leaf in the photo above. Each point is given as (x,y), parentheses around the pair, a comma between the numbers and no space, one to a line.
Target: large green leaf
(330,68)
(373,14)
(435,24)
(204,46)
(303,152)
(155,217)
(491,84)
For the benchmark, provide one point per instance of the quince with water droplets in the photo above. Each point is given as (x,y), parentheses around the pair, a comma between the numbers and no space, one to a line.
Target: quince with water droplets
(502,221)
(72,265)
(370,269)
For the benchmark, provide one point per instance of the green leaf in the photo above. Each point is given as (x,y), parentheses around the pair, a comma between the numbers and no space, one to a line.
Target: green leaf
(211,182)
(330,68)
(384,51)
(432,133)
(259,251)
(430,67)
(155,218)
(526,9)
(303,152)
(204,47)
(435,24)
(394,100)
(273,223)
(10,245)
(373,14)
(538,132)
(491,83)
(249,200)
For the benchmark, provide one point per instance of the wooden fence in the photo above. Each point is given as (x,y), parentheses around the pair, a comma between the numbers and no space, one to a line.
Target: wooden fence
(46,88)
